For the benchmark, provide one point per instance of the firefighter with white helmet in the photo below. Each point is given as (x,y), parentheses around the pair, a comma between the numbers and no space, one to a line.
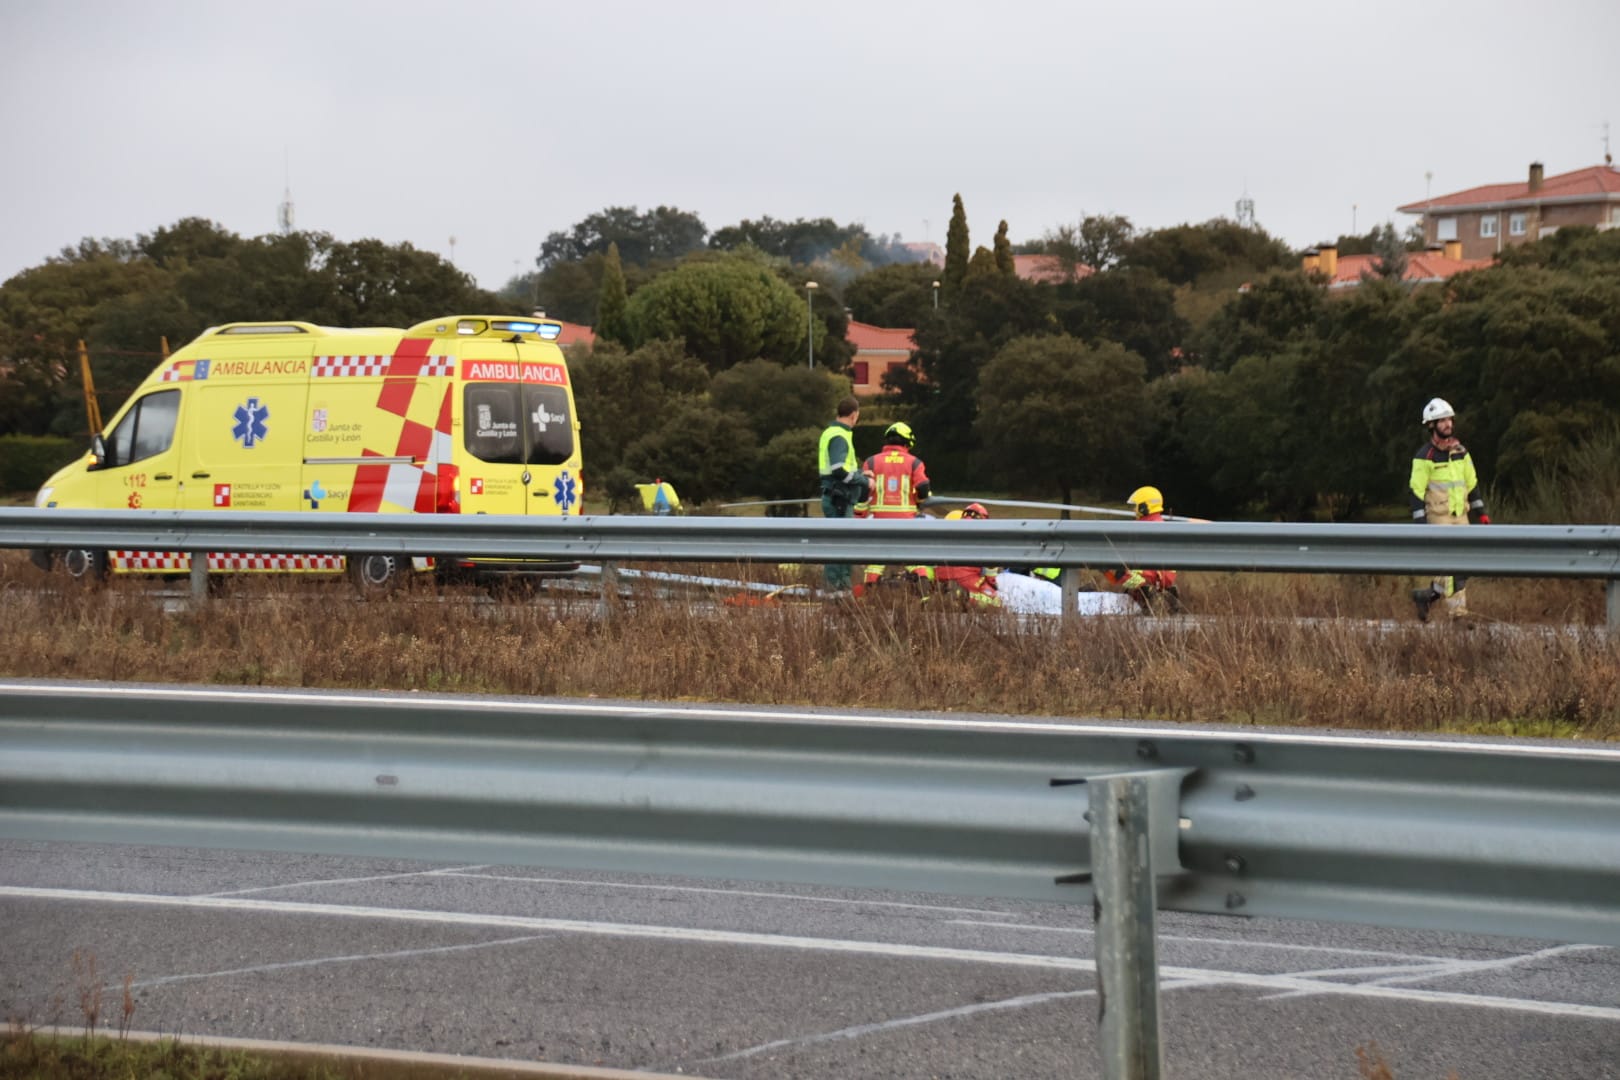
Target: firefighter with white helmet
(1444,490)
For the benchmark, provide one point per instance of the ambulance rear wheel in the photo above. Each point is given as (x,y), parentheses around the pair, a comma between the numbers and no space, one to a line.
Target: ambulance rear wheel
(84,565)
(374,575)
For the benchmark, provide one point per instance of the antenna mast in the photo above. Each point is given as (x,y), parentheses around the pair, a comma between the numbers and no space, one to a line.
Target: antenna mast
(1245,209)
(284,212)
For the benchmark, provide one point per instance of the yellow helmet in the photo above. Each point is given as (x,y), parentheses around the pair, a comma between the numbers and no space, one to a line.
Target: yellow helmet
(954,515)
(1147,500)
(899,431)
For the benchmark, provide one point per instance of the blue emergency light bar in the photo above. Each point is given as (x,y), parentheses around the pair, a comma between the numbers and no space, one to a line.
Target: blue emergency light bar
(547,331)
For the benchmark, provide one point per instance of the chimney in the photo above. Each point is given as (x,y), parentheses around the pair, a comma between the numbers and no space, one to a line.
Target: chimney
(1330,261)
(1535,177)
(1312,262)
(1454,250)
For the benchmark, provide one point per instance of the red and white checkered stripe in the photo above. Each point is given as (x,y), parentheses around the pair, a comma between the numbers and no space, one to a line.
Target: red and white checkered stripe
(222,561)
(337,366)
(149,560)
(236,561)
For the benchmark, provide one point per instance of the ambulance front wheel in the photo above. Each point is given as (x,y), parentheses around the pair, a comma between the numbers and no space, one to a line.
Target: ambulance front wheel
(84,565)
(374,575)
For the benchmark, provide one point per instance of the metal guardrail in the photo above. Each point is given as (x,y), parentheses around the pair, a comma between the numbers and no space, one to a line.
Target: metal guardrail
(1482,837)
(1576,551)
(1477,836)
(1570,551)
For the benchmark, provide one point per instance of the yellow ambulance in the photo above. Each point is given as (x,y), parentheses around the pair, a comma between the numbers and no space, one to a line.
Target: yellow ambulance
(467,414)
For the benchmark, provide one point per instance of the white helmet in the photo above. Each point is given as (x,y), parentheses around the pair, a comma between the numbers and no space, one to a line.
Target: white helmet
(1437,409)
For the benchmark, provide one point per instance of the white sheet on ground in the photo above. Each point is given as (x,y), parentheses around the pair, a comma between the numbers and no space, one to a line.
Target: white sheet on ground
(1037,596)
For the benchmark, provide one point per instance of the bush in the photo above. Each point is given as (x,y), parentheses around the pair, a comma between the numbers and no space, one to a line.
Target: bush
(27,461)
(786,467)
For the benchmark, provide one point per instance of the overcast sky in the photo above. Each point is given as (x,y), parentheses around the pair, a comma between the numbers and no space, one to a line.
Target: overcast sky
(498,122)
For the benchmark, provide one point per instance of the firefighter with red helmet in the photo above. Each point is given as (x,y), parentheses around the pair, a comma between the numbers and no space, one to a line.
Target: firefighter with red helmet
(976,583)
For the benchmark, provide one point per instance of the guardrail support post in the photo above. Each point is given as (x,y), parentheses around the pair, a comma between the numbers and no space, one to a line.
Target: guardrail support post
(199,578)
(1126,914)
(610,589)
(1069,580)
(1612,587)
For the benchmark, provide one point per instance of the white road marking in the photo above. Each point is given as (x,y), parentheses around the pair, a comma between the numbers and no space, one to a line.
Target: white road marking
(905,1021)
(318,961)
(725,892)
(1442,970)
(344,881)
(687,935)
(1414,958)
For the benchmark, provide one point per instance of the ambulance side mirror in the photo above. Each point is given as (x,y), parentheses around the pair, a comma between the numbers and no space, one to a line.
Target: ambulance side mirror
(98,447)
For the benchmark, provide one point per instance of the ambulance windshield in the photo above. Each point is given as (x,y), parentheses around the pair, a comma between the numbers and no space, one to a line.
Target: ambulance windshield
(516,424)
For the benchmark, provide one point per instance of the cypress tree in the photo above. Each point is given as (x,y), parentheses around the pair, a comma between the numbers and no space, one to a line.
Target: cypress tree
(1004,252)
(611,322)
(956,248)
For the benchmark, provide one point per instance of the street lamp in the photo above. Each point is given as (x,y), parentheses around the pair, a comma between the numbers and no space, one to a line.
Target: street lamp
(936,296)
(810,288)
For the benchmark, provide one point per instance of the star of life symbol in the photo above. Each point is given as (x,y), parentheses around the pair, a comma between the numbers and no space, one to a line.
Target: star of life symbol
(250,418)
(562,492)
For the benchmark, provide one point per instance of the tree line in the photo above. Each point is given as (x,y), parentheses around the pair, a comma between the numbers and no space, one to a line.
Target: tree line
(1197,357)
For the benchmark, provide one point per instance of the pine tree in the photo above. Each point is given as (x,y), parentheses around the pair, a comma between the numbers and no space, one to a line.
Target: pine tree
(956,248)
(1004,252)
(611,323)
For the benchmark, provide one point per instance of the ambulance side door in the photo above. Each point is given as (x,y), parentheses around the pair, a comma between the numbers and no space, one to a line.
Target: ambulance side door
(247,447)
(142,464)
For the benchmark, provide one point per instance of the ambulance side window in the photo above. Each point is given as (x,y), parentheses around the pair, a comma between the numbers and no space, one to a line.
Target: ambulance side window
(551,429)
(493,422)
(146,430)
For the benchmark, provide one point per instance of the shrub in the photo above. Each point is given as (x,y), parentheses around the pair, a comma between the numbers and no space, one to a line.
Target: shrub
(27,461)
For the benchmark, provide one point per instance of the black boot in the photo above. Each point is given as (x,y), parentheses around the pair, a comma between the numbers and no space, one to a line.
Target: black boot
(1423,598)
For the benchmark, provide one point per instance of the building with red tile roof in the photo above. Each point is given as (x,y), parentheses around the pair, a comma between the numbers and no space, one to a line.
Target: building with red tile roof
(1484,219)
(1422,267)
(575,334)
(1047,269)
(926,251)
(877,349)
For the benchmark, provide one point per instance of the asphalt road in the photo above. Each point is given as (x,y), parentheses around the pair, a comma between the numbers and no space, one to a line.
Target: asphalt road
(728,979)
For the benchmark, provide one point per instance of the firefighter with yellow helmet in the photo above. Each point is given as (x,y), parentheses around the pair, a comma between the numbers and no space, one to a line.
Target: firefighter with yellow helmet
(899,482)
(1147,587)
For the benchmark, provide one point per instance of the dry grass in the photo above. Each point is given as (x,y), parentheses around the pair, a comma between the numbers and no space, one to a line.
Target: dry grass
(1245,658)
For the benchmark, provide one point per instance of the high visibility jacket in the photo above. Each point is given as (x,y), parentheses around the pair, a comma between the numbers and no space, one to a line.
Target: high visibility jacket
(977,582)
(1130,579)
(899,479)
(1444,486)
(835,451)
